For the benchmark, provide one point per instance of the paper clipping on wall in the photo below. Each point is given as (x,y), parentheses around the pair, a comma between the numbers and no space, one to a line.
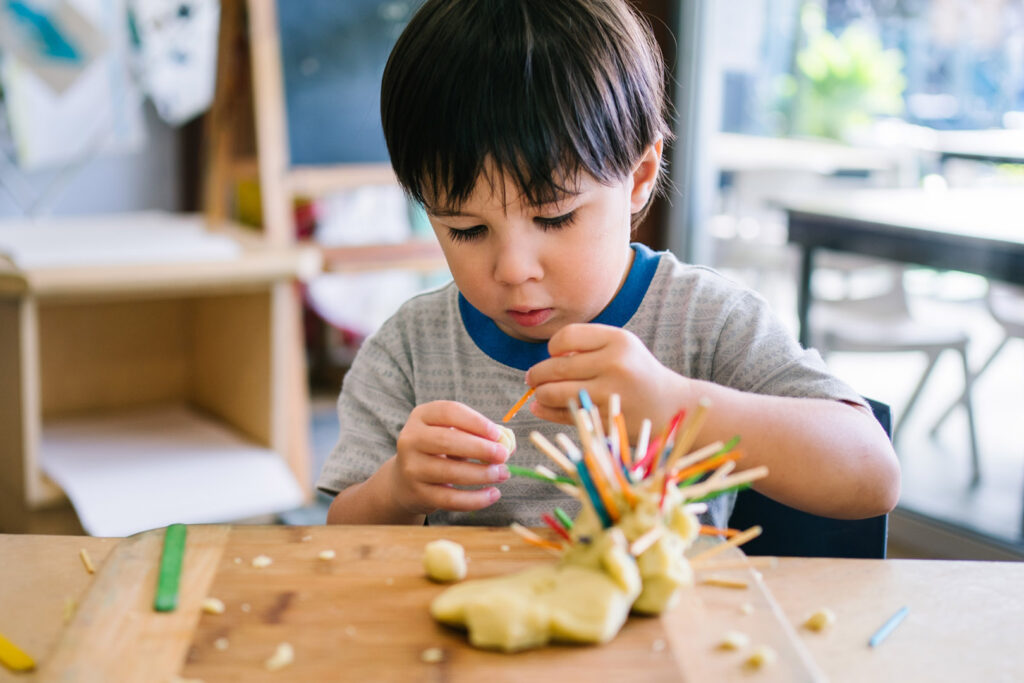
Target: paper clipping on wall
(98,112)
(174,47)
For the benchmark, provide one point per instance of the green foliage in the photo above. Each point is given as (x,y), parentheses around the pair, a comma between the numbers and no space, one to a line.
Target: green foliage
(840,82)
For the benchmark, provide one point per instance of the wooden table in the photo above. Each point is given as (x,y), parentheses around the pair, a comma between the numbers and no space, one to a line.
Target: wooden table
(977,231)
(365,613)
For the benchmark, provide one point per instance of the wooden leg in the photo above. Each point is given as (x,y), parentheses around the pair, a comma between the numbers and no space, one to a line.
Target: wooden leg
(803,295)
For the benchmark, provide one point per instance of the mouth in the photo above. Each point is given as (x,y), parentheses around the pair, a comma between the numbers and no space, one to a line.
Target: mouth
(531,317)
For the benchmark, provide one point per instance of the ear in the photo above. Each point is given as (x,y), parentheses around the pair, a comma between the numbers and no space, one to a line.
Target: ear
(645,176)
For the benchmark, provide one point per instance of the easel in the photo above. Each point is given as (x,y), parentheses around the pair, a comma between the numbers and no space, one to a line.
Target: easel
(246,135)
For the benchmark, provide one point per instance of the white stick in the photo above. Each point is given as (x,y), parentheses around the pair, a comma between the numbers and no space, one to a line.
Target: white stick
(704,488)
(695,457)
(549,450)
(641,443)
(738,539)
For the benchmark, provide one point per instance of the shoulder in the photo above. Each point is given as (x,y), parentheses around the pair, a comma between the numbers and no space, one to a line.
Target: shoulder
(700,290)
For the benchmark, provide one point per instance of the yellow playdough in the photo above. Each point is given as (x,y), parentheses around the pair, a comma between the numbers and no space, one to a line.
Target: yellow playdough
(588,594)
(507,439)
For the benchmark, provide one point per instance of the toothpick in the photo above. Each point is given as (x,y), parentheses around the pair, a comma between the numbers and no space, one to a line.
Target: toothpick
(641,442)
(548,449)
(737,540)
(569,447)
(569,490)
(695,457)
(533,538)
(596,444)
(87,561)
(724,582)
(645,541)
(722,472)
(623,436)
(519,404)
(690,430)
(704,488)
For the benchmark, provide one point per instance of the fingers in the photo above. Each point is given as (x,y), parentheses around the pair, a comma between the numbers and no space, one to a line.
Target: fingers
(580,338)
(439,470)
(445,444)
(441,497)
(458,416)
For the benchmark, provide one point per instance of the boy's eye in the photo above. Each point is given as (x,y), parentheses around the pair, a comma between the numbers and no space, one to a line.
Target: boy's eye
(466,234)
(556,221)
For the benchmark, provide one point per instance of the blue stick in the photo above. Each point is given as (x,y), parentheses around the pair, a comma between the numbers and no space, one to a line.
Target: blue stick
(888,627)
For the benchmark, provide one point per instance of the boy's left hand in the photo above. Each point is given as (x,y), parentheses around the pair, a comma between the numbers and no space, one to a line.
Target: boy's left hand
(605,360)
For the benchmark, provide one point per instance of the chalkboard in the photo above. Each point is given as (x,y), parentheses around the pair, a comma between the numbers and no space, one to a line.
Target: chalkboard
(333,54)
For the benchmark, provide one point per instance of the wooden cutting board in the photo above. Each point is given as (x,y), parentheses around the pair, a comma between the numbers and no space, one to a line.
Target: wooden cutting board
(364,616)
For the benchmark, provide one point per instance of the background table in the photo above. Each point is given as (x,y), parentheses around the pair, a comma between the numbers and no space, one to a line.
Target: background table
(977,231)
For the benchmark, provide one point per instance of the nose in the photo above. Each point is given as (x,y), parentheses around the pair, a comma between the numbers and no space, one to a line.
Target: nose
(517,261)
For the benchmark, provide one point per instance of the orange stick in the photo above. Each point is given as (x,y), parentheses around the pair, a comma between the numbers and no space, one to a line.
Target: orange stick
(627,488)
(532,538)
(710,464)
(519,404)
(603,489)
(706,530)
(620,425)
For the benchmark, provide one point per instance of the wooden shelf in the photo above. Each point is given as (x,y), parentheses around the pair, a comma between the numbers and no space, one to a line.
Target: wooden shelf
(218,336)
(412,255)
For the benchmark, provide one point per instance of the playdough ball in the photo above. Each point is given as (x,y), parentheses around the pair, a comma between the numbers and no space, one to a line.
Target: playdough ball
(444,561)
(508,439)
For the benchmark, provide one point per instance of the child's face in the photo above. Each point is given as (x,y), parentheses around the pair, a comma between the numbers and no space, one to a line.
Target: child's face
(535,269)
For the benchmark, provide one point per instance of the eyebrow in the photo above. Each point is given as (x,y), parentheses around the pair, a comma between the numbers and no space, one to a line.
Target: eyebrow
(443,213)
(448,213)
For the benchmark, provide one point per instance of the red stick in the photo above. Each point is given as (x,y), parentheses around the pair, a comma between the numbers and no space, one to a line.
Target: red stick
(554,524)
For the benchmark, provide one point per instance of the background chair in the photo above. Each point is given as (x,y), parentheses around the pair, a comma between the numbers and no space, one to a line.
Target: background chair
(793,533)
(866,311)
(1005,304)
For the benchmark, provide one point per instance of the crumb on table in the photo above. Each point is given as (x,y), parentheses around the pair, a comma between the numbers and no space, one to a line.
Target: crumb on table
(282,657)
(734,640)
(761,657)
(820,620)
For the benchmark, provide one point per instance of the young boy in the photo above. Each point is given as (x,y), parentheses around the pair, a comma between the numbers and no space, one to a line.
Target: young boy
(532,132)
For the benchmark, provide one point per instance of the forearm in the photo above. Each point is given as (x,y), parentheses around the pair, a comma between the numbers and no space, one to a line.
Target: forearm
(823,456)
(371,502)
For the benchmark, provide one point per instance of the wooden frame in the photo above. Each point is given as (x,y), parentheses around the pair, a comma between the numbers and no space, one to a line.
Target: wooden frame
(250,103)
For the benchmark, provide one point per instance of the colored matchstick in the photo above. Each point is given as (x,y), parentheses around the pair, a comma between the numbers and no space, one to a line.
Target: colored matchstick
(170,569)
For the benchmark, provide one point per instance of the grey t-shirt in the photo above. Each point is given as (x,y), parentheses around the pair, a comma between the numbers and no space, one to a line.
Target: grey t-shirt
(438,347)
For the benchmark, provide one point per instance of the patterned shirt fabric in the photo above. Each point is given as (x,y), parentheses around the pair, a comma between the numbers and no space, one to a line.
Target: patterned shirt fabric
(438,347)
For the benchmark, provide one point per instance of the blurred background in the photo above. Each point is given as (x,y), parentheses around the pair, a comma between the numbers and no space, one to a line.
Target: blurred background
(859,163)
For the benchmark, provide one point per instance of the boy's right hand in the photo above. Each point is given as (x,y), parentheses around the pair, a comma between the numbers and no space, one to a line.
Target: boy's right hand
(436,452)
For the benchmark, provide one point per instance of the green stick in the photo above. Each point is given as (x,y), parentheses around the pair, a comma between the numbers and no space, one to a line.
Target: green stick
(563,518)
(170,569)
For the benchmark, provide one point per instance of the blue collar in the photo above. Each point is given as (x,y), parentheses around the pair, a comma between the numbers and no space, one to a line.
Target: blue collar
(525,354)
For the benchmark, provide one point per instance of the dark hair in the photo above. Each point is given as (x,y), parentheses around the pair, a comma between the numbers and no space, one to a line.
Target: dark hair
(543,89)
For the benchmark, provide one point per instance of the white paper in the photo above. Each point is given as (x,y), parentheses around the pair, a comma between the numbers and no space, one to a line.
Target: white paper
(137,238)
(129,472)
